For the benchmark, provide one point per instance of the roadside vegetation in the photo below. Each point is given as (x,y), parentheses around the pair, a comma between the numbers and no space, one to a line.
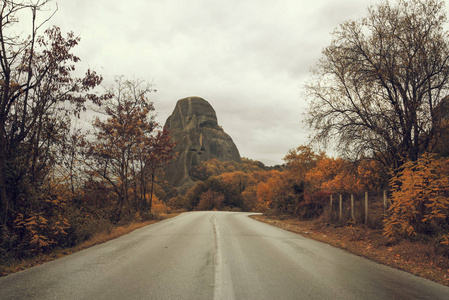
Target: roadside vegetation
(60,184)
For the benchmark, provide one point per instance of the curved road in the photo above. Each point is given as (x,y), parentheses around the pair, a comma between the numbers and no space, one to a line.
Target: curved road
(215,255)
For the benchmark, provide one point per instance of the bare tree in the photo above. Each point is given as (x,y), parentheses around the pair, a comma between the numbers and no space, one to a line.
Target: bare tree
(36,83)
(380,83)
(129,146)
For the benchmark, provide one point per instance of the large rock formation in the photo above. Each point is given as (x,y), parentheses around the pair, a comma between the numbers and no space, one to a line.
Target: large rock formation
(194,128)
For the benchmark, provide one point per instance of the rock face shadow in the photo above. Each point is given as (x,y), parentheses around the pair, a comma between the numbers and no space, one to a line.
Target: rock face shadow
(194,128)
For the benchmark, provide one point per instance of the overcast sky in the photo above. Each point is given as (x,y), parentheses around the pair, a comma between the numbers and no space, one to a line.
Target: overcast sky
(248,58)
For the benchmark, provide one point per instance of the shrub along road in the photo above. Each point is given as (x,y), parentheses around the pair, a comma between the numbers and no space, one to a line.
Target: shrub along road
(215,255)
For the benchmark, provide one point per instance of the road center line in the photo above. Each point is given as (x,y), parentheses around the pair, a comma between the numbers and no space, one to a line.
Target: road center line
(223,288)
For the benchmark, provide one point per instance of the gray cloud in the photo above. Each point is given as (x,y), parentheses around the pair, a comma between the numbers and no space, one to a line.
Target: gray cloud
(249,59)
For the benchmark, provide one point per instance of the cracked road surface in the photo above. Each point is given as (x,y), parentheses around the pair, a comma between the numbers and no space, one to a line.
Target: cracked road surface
(215,255)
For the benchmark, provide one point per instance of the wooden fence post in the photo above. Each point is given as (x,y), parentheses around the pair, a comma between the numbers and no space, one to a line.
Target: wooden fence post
(366,208)
(352,208)
(340,211)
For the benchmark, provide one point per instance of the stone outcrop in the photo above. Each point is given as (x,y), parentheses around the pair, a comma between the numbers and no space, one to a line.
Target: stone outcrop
(194,128)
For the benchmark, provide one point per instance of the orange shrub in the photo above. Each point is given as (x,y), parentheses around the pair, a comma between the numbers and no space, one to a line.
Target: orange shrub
(159,207)
(420,202)
(210,200)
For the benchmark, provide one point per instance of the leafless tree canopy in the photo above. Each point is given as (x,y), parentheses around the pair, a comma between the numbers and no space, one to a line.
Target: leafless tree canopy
(379,87)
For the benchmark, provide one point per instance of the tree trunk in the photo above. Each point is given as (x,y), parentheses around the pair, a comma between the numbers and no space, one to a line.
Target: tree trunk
(3,194)
(143,190)
(4,201)
(150,203)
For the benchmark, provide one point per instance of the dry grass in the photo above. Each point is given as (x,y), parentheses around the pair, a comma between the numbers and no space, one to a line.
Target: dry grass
(96,239)
(115,233)
(419,258)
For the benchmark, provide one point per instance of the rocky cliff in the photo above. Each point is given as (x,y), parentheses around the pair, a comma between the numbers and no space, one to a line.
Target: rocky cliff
(194,128)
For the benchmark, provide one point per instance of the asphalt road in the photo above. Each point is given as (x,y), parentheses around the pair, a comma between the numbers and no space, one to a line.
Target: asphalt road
(215,255)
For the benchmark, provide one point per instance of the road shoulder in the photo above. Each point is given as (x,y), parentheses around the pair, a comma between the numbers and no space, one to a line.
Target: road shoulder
(413,257)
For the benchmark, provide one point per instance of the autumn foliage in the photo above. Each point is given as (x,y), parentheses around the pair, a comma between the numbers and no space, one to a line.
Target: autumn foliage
(128,149)
(420,199)
(60,184)
(300,188)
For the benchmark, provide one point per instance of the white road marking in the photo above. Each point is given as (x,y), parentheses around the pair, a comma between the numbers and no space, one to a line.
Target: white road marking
(223,288)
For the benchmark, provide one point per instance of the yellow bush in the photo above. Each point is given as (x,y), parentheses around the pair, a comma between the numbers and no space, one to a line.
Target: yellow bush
(420,199)
(159,207)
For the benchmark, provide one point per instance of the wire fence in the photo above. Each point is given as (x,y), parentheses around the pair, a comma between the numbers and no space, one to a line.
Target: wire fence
(368,209)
